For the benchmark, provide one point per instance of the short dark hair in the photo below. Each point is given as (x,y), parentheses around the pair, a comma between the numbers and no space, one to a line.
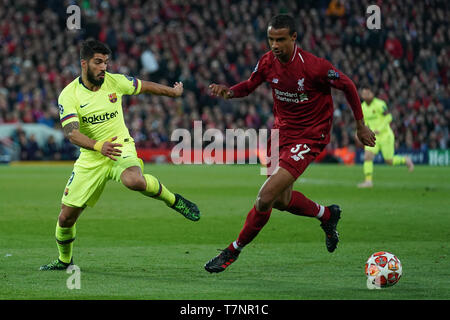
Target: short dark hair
(283,21)
(91,46)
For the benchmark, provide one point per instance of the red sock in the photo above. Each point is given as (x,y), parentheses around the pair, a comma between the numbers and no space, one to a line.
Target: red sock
(253,224)
(302,206)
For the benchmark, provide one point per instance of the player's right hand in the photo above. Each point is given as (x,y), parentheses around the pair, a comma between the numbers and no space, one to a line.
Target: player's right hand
(109,149)
(178,88)
(219,90)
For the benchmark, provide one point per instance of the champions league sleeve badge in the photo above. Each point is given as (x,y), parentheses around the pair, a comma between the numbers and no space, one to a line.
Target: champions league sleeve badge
(333,75)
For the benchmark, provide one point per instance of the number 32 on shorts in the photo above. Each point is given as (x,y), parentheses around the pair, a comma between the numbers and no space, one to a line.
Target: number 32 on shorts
(299,150)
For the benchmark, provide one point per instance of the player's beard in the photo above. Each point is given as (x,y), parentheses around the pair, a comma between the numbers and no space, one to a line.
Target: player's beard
(91,78)
(282,55)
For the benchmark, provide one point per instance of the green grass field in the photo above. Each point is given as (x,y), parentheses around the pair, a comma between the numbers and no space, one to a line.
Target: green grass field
(132,247)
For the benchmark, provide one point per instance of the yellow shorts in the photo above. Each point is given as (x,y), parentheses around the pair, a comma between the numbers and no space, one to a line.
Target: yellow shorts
(86,183)
(384,143)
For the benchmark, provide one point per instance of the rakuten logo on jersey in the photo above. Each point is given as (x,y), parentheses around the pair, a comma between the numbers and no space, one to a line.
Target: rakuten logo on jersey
(96,119)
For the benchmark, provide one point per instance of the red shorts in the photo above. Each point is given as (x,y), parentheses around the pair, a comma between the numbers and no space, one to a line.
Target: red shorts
(293,155)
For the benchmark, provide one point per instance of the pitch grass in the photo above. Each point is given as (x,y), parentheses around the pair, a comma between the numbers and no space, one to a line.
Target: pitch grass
(133,247)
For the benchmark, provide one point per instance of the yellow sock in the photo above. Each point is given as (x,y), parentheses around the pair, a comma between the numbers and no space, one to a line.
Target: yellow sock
(398,160)
(368,170)
(157,190)
(64,241)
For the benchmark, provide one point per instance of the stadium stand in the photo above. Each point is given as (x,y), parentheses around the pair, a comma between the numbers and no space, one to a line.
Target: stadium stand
(406,62)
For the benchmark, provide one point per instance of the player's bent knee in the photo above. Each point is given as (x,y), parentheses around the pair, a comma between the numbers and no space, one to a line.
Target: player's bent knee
(133,179)
(66,222)
(264,202)
(68,216)
(136,183)
(282,202)
(281,205)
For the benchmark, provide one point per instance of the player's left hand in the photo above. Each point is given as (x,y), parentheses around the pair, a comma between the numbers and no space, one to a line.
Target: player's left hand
(365,135)
(178,86)
(110,149)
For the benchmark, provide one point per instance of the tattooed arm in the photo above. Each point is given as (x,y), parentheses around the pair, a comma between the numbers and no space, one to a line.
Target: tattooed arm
(107,148)
(72,132)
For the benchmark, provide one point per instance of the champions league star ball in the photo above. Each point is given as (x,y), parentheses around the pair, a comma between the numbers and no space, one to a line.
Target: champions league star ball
(383,269)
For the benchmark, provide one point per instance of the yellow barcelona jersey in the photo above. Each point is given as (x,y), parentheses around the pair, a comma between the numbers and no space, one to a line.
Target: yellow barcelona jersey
(99,113)
(375,116)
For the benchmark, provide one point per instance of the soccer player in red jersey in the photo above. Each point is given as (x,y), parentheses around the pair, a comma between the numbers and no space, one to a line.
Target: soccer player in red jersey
(303,108)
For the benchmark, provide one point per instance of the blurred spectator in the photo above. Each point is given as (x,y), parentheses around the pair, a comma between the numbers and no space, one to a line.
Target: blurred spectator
(47,119)
(336,8)
(23,146)
(6,150)
(32,149)
(68,150)
(149,62)
(51,150)
(393,46)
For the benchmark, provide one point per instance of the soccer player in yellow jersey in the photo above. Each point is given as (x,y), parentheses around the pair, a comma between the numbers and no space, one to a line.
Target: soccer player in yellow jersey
(378,119)
(92,118)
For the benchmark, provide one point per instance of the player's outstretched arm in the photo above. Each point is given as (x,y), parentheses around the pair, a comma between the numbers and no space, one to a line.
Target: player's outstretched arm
(106,148)
(162,90)
(336,79)
(219,90)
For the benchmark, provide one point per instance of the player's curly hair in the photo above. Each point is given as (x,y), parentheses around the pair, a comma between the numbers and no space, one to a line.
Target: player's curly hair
(90,47)
(283,21)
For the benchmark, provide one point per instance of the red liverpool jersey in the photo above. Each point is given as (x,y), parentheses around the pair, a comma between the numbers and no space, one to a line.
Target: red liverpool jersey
(301,90)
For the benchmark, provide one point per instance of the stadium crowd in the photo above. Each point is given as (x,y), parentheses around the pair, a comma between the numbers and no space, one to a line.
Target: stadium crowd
(406,62)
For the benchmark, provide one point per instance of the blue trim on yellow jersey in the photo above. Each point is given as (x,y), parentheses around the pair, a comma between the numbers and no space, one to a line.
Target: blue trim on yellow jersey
(135,84)
(68,117)
(81,81)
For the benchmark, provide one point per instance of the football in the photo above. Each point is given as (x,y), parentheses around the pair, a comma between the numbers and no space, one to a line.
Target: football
(383,269)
